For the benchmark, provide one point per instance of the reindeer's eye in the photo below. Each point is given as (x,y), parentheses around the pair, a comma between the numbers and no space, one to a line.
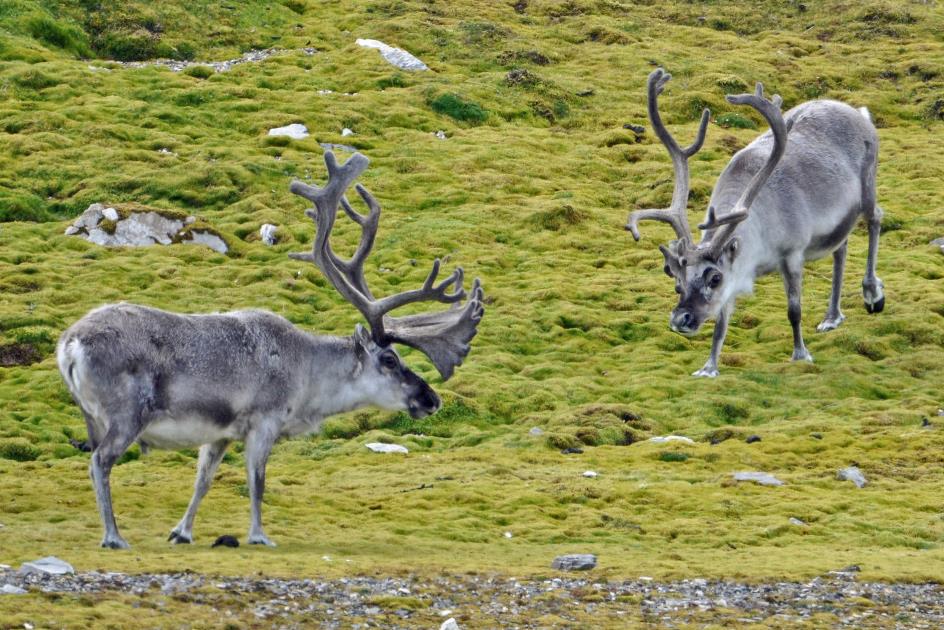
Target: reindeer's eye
(713,280)
(389,360)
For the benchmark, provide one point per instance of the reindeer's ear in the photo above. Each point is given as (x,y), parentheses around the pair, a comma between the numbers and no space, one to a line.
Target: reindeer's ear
(672,265)
(362,343)
(731,249)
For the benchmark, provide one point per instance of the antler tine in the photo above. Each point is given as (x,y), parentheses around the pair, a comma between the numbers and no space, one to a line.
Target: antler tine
(676,213)
(441,336)
(347,278)
(770,110)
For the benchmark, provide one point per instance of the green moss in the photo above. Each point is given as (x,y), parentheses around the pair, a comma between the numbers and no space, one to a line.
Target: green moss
(19,450)
(458,108)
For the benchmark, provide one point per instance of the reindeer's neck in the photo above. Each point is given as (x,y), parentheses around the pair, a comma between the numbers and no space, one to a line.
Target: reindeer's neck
(335,385)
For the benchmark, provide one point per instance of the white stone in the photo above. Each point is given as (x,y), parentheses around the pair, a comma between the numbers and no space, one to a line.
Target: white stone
(396,56)
(449,624)
(590,473)
(9,589)
(441,134)
(762,478)
(379,447)
(110,213)
(347,132)
(664,439)
(50,565)
(853,474)
(296,131)
(536,431)
(797,522)
(508,535)
(267,233)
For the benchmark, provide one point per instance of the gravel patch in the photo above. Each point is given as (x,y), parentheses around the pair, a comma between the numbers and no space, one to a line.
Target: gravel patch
(508,602)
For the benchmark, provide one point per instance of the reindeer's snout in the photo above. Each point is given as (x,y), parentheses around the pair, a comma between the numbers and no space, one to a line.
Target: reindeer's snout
(424,403)
(684,321)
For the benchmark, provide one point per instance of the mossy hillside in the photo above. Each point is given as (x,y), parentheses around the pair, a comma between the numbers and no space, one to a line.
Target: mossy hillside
(531,198)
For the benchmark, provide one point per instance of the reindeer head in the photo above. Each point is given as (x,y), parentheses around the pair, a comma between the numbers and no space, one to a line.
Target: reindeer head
(443,336)
(702,272)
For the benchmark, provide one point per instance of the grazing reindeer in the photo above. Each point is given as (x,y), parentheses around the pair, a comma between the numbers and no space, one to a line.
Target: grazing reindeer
(175,381)
(792,195)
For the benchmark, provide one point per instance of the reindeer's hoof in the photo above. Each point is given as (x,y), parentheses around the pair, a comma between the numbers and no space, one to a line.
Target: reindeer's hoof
(261,540)
(706,372)
(802,355)
(830,324)
(116,542)
(179,539)
(877,306)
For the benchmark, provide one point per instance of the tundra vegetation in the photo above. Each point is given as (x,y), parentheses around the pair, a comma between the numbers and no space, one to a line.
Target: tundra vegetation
(528,189)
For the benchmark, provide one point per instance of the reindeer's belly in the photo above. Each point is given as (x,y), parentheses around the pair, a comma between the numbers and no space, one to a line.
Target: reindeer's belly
(174,433)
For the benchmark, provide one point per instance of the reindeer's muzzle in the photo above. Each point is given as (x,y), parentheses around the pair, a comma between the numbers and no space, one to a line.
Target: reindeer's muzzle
(684,321)
(424,403)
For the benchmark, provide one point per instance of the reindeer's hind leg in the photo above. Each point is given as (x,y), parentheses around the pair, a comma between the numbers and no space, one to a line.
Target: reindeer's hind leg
(210,457)
(114,443)
(872,286)
(834,315)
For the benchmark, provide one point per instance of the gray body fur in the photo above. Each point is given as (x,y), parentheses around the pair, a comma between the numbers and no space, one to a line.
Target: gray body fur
(176,381)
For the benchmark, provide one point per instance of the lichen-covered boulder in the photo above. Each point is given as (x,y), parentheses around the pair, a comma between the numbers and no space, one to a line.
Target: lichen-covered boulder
(123,226)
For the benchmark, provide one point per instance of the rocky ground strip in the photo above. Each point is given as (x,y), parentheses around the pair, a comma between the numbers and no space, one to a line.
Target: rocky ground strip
(511,602)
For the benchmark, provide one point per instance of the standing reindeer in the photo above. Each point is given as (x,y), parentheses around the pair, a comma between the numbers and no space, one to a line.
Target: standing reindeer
(176,381)
(793,194)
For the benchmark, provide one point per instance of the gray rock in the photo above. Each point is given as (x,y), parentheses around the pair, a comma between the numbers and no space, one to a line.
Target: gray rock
(797,522)
(575,562)
(209,239)
(939,242)
(449,624)
(379,447)
(9,589)
(139,229)
(853,474)
(174,65)
(296,131)
(50,565)
(665,439)
(762,478)
(267,233)
(347,132)
(396,56)
(536,431)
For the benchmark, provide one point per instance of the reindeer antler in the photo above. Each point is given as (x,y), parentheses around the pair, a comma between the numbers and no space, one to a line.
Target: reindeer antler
(675,214)
(770,110)
(443,336)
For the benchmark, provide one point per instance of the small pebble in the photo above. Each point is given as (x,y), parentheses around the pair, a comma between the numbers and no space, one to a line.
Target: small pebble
(590,473)
(752,438)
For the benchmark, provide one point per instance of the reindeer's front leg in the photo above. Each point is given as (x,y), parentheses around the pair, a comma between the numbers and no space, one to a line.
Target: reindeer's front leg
(259,444)
(717,340)
(793,283)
